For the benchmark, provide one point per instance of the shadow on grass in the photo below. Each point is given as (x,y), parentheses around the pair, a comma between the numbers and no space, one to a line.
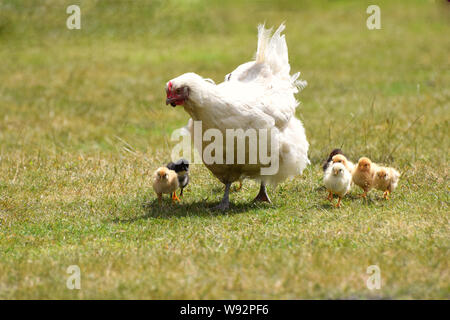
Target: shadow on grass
(205,207)
(201,208)
(324,204)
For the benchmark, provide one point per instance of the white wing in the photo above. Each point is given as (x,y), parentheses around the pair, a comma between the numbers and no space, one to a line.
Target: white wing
(270,71)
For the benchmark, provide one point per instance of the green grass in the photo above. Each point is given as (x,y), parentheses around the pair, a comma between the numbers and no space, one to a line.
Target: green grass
(83,125)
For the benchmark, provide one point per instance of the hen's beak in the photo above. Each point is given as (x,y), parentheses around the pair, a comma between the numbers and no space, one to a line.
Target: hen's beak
(170,101)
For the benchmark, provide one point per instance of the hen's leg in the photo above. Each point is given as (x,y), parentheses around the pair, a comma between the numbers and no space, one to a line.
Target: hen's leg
(262,195)
(330,196)
(225,203)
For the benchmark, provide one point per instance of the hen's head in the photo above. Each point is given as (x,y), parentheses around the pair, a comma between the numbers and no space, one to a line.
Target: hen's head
(179,90)
(177,93)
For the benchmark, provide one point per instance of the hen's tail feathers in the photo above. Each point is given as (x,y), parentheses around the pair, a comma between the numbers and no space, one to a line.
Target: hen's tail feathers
(274,52)
(263,41)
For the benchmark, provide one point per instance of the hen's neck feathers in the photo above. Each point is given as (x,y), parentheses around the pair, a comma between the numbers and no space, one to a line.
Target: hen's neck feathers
(202,94)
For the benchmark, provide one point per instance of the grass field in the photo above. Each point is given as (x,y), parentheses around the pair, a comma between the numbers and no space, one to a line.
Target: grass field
(83,125)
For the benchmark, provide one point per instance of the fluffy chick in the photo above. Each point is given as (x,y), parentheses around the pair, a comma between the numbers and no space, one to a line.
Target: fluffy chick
(165,181)
(181,167)
(340,158)
(386,180)
(363,175)
(328,162)
(337,180)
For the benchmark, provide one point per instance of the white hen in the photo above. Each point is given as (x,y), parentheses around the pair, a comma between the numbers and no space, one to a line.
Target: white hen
(256,95)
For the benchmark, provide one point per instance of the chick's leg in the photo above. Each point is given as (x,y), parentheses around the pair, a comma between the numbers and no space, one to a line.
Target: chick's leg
(174,197)
(262,195)
(225,203)
(160,199)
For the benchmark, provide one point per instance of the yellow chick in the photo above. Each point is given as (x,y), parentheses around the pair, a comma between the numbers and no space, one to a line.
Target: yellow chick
(337,180)
(363,175)
(165,181)
(340,158)
(386,180)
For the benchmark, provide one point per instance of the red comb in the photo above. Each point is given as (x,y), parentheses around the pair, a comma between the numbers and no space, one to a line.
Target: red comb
(169,86)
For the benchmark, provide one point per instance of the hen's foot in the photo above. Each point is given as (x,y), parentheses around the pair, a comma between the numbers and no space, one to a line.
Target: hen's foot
(222,206)
(225,203)
(262,195)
